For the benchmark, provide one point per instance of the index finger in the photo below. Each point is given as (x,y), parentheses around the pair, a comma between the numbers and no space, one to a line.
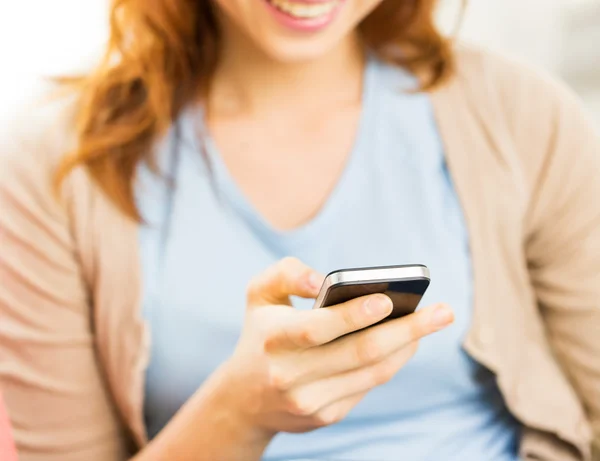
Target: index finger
(288,277)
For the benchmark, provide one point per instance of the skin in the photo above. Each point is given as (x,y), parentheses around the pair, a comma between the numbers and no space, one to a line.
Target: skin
(285,101)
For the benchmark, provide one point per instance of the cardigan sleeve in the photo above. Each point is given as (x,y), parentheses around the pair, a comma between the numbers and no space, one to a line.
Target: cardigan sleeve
(54,389)
(7,449)
(560,147)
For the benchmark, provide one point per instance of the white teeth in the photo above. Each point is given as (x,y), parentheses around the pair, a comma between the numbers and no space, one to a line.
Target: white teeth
(305,10)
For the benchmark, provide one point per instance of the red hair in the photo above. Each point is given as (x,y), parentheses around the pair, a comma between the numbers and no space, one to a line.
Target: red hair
(161,54)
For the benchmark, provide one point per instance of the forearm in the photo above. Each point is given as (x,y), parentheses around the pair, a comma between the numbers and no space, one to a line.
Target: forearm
(206,429)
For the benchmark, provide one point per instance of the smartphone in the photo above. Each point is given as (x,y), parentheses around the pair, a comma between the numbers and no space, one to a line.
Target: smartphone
(405,285)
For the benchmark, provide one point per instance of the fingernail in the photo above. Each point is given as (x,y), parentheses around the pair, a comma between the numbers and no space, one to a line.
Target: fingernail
(442,316)
(377,306)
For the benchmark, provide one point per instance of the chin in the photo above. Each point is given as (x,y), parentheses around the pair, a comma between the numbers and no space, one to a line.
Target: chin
(297,51)
(294,31)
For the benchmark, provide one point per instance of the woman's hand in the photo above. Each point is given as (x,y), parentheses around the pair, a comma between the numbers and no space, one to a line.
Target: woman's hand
(294,371)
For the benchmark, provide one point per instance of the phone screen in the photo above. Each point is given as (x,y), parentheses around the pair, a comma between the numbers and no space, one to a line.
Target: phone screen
(405,294)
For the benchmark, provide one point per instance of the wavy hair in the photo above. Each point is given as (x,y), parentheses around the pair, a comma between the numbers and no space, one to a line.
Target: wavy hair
(161,55)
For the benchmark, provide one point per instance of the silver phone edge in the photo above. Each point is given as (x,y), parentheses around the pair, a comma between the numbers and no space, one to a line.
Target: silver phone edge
(370,275)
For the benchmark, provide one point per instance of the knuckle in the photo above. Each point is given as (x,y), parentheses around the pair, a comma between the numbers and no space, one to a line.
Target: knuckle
(303,407)
(279,380)
(349,318)
(327,417)
(307,338)
(416,328)
(383,372)
(253,288)
(288,263)
(368,349)
(271,344)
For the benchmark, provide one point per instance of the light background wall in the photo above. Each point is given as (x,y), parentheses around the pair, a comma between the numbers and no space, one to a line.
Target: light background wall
(562,36)
(46,37)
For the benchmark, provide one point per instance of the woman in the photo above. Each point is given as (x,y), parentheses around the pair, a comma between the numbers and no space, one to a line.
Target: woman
(220,137)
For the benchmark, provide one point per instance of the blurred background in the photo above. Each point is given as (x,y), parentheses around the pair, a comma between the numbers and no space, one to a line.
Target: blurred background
(51,37)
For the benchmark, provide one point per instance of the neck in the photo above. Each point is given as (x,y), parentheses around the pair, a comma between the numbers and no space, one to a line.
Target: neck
(247,81)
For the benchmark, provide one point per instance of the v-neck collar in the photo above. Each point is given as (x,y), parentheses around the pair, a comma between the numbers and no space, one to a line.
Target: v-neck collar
(231,193)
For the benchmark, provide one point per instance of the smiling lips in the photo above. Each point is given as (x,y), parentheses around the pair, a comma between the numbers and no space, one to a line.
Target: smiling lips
(305,10)
(305,15)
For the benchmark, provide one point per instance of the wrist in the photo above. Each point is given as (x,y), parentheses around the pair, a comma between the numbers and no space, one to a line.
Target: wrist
(211,426)
(222,398)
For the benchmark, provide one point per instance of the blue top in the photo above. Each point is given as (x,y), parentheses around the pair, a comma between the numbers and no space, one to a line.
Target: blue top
(394,204)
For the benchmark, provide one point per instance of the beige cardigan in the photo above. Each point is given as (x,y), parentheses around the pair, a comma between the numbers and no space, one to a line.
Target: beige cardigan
(526,163)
